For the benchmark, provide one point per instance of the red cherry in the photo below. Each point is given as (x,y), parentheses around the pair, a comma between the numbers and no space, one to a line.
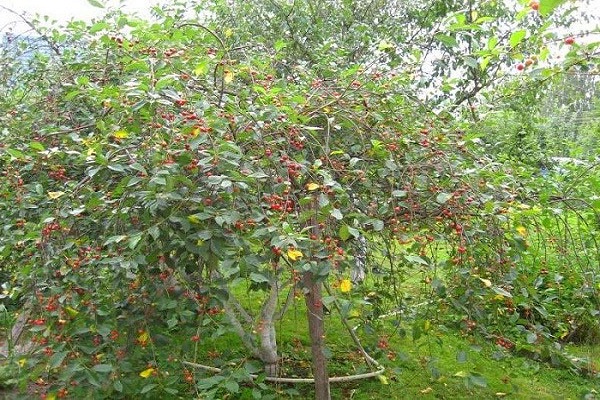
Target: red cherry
(520,67)
(570,40)
(535,5)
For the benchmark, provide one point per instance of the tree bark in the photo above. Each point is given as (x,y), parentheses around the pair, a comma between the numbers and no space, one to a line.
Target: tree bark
(314,305)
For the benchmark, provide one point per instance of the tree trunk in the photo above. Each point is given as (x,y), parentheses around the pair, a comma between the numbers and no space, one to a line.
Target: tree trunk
(316,328)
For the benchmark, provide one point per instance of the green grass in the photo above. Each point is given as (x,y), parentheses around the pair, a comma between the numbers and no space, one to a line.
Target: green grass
(443,364)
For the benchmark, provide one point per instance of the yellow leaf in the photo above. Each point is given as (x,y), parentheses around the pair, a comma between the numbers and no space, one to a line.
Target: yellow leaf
(147,372)
(228,32)
(195,132)
(486,282)
(193,219)
(143,337)
(71,311)
(312,186)
(522,230)
(294,254)
(22,362)
(55,195)
(383,379)
(121,134)
(228,77)
(345,285)
(50,396)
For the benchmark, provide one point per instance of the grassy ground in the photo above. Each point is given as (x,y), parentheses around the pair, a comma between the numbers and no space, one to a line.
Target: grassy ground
(440,365)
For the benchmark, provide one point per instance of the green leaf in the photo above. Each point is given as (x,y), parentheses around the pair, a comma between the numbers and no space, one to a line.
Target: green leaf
(164,82)
(547,6)
(399,193)
(116,167)
(443,198)
(57,359)
(471,62)
(37,146)
(232,386)
(447,40)
(258,278)
(517,37)
(99,26)
(384,45)
(337,214)
(377,225)
(148,388)
(103,368)
(96,3)
(344,233)
(484,63)
(15,153)
(501,291)
(134,240)
(201,68)
(118,386)
(415,259)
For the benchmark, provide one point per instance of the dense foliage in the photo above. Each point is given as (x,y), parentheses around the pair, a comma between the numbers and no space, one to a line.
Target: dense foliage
(155,172)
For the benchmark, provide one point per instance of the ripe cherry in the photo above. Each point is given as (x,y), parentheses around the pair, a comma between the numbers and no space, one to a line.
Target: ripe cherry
(535,5)
(570,40)
(520,67)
